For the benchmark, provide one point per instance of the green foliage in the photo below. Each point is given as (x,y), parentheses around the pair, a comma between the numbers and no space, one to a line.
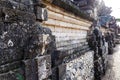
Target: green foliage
(19,76)
(118,19)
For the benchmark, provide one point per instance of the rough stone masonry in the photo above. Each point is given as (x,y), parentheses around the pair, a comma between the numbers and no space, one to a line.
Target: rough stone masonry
(25,46)
(28,50)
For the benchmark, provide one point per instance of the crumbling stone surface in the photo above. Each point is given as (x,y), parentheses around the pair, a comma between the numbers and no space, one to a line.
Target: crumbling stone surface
(24,43)
(38,68)
(31,71)
(78,68)
(26,47)
(23,5)
(13,36)
(44,66)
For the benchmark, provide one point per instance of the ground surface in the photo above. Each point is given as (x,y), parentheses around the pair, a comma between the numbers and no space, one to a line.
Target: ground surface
(113,72)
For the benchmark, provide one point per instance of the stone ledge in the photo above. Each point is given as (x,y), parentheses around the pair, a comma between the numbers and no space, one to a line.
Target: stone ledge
(70,7)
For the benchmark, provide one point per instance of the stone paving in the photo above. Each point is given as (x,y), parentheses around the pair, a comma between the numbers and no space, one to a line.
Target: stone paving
(113,72)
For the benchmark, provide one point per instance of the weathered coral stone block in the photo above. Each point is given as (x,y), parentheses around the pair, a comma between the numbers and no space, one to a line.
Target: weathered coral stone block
(39,68)
(44,66)
(30,69)
(81,68)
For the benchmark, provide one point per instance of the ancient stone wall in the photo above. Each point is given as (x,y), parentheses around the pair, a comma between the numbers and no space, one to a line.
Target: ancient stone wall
(29,51)
(25,46)
(72,48)
(70,30)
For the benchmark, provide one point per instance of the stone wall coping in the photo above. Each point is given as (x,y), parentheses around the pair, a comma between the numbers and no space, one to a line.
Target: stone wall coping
(70,7)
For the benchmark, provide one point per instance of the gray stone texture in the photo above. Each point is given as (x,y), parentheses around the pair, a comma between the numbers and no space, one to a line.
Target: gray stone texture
(41,13)
(25,46)
(44,66)
(31,71)
(81,68)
